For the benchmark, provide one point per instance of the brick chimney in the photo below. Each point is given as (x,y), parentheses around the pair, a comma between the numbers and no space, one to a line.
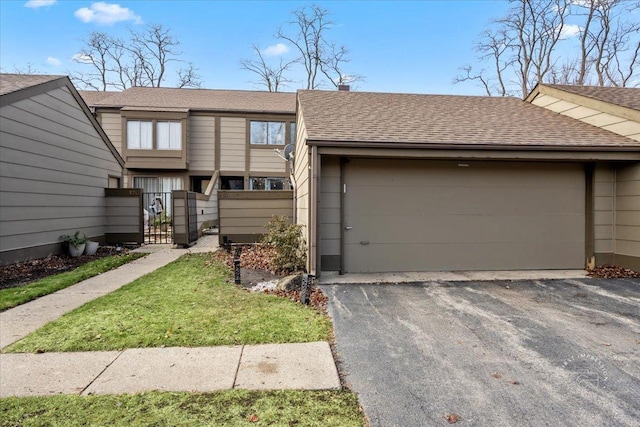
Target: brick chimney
(345,88)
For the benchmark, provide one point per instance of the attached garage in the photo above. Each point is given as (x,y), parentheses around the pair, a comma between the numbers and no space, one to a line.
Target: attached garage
(402,182)
(411,215)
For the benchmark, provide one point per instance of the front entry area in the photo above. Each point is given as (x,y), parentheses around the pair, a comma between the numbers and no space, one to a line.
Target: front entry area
(417,215)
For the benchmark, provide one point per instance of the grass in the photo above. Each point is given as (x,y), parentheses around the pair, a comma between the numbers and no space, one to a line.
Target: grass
(13,297)
(190,303)
(225,408)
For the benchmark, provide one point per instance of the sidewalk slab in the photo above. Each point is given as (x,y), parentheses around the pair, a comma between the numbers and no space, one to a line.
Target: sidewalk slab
(169,369)
(307,366)
(26,374)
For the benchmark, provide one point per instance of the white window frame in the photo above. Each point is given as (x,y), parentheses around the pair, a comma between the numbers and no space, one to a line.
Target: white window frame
(169,135)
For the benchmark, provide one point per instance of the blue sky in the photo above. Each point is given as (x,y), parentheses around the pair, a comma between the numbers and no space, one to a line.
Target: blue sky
(398,46)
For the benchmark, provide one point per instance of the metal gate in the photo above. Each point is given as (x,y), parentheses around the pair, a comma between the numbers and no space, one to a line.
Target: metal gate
(158,218)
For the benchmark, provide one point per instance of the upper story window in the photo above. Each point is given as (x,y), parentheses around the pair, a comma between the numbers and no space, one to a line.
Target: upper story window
(169,135)
(292,136)
(140,135)
(267,133)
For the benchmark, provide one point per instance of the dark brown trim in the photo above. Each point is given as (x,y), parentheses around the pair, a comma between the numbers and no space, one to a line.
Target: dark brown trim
(627,261)
(423,152)
(482,147)
(343,164)
(34,252)
(604,259)
(217,142)
(240,238)
(589,217)
(251,195)
(330,263)
(115,238)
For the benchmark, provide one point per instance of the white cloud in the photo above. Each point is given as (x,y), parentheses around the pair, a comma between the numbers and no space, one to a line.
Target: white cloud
(106,14)
(53,61)
(82,58)
(35,4)
(570,30)
(276,50)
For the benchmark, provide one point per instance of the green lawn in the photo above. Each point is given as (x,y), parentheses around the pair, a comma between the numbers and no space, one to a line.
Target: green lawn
(187,303)
(13,297)
(225,408)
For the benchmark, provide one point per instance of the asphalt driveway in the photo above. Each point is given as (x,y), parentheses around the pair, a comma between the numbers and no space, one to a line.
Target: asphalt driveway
(516,353)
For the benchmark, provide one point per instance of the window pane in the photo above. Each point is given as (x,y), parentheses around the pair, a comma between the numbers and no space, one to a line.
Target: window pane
(169,135)
(258,132)
(256,184)
(292,136)
(276,133)
(139,135)
(275,184)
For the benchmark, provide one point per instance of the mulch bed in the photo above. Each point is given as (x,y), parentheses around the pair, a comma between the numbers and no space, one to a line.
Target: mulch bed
(613,272)
(256,267)
(22,273)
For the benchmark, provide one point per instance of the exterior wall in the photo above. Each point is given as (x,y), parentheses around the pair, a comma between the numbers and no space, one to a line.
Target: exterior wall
(207,211)
(54,168)
(201,144)
(329,215)
(111,123)
(603,216)
(627,217)
(301,175)
(245,214)
(233,144)
(610,122)
(265,160)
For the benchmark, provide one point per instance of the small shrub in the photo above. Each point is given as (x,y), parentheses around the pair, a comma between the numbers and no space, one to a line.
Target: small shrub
(290,246)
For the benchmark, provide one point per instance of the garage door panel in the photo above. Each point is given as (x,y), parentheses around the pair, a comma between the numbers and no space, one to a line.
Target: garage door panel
(455,257)
(455,200)
(461,228)
(422,216)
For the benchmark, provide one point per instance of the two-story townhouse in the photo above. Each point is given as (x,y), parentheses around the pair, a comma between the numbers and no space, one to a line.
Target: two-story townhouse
(182,139)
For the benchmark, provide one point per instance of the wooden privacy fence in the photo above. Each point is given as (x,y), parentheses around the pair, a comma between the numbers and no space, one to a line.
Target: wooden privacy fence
(124,218)
(192,214)
(244,214)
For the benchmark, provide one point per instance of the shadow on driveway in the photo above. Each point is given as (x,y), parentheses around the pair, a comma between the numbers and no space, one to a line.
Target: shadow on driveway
(554,352)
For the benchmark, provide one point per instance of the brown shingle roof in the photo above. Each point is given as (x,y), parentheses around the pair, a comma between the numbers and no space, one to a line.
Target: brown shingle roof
(624,96)
(15,82)
(202,99)
(443,119)
(92,96)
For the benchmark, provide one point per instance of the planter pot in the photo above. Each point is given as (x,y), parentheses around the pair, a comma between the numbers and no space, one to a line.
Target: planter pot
(91,248)
(76,251)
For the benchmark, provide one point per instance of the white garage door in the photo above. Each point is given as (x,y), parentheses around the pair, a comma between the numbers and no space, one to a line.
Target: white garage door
(403,215)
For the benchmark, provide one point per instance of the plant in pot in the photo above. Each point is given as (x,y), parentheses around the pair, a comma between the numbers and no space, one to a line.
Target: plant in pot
(76,243)
(91,248)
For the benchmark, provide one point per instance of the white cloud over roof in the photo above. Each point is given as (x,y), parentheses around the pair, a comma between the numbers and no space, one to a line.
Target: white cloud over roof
(106,14)
(276,50)
(36,4)
(53,61)
(570,30)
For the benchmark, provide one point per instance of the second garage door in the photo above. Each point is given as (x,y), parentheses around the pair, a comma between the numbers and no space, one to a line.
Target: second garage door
(403,215)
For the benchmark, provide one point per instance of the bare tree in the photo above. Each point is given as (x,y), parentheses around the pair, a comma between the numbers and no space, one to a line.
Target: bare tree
(29,68)
(318,56)
(141,60)
(271,76)
(522,48)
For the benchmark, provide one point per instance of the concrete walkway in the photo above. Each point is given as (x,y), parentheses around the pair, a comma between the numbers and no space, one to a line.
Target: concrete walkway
(270,366)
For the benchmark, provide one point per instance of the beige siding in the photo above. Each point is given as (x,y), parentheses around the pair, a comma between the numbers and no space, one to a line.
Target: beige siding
(112,125)
(330,207)
(201,143)
(301,175)
(123,215)
(245,214)
(604,196)
(628,211)
(54,168)
(266,160)
(612,123)
(233,143)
